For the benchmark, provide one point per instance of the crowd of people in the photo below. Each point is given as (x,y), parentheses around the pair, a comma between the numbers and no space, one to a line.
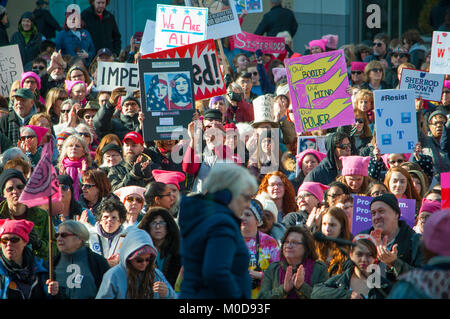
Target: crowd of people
(242,213)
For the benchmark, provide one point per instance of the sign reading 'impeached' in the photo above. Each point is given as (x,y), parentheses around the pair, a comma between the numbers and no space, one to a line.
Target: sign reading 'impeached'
(317,85)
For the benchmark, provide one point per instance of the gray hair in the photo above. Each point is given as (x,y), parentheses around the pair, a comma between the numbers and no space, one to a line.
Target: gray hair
(26,130)
(68,101)
(64,149)
(13,153)
(77,229)
(232,177)
(85,128)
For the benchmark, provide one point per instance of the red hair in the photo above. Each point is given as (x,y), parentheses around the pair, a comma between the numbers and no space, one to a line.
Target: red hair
(289,204)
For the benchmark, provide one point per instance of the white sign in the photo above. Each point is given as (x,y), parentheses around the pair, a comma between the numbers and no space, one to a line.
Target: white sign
(395,121)
(440,53)
(148,38)
(426,85)
(113,74)
(177,26)
(223,20)
(11,67)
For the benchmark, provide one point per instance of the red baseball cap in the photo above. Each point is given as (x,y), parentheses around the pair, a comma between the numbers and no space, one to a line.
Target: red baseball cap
(135,137)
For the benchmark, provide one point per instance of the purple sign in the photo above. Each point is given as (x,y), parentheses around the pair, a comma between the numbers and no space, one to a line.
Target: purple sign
(362,218)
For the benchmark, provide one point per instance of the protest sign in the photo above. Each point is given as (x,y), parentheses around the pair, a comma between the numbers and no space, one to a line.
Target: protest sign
(167,97)
(252,42)
(223,20)
(445,190)
(252,6)
(207,76)
(317,86)
(440,53)
(362,218)
(426,85)
(10,67)
(148,38)
(177,26)
(395,121)
(113,74)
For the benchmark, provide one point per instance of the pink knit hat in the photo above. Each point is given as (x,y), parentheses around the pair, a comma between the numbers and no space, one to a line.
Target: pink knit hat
(332,40)
(317,189)
(124,192)
(33,75)
(358,66)
(71,84)
(355,165)
(385,158)
(436,233)
(318,43)
(447,84)
(278,73)
(320,156)
(430,206)
(20,227)
(40,132)
(168,177)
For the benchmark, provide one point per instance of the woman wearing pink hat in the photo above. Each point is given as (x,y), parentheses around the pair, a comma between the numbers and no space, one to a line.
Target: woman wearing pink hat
(428,208)
(318,46)
(32,81)
(31,140)
(357,73)
(77,90)
(22,276)
(355,173)
(306,161)
(133,199)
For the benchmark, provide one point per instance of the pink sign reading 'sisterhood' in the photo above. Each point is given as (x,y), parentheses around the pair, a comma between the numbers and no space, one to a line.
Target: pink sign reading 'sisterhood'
(252,42)
(317,86)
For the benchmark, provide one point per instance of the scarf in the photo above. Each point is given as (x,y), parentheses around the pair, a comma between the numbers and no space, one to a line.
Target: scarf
(109,236)
(71,169)
(308,265)
(22,276)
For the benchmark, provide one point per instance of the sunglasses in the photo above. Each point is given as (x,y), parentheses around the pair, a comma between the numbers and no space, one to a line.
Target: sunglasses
(377,70)
(356,72)
(84,134)
(64,235)
(87,186)
(14,240)
(18,187)
(401,55)
(131,199)
(41,67)
(399,161)
(254,73)
(359,120)
(65,111)
(141,260)
(64,187)
(29,137)
(377,44)
(344,146)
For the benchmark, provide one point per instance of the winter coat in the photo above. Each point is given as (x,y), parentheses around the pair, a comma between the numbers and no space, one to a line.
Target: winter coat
(114,284)
(276,20)
(28,51)
(338,287)
(431,281)
(4,39)
(10,125)
(46,23)
(100,244)
(104,32)
(242,113)
(68,43)
(116,174)
(5,143)
(213,251)
(409,252)
(417,54)
(432,147)
(271,288)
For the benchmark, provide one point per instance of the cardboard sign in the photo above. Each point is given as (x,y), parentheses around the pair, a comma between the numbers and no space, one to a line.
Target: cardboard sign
(317,86)
(440,53)
(395,121)
(207,75)
(362,218)
(252,42)
(113,74)
(148,38)
(252,6)
(167,97)
(445,190)
(10,67)
(223,20)
(426,85)
(177,26)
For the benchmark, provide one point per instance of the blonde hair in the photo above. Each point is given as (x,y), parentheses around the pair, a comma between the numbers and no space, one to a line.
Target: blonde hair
(373,64)
(64,149)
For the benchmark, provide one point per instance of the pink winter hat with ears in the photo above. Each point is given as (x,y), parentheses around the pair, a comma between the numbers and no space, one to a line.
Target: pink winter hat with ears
(278,73)
(355,165)
(385,158)
(430,206)
(20,227)
(320,156)
(317,189)
(358,66)
(447,84)
(33,75)
(126,191)
(318,43)
(71,84)
(40,132)
(436,233)
(332,40)
(168,177)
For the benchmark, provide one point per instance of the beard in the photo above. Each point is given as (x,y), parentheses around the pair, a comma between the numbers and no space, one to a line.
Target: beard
(130,158)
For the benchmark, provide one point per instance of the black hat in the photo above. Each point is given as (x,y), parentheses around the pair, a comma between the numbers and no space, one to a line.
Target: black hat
(389,199)
(8,174)
(104,51)
(437,112)
(113,147)
(130,97)
(212,114)
(65,180)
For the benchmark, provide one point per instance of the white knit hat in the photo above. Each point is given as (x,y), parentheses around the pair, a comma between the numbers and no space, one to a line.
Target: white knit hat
(268,204)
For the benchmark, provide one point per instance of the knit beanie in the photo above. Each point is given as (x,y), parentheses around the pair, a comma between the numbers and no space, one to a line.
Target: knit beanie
(71,84)
(39,131)
(26,75)
(130,97)
(318,43)
(358,66)
(319,155)
(438,112)
(8,174)
(21,227)
(388,199)
(257,209)
(436,233)
(332,41)
(429,206)
(317,189)
(355,165)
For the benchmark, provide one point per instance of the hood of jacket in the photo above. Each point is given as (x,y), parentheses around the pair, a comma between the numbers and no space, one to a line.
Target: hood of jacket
(417,47)
(134,240)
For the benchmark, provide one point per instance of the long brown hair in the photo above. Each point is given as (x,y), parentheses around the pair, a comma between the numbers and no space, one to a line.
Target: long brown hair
(289,204)
(308,242)
(410,192)
(141,287)
(366,132)
(364,186)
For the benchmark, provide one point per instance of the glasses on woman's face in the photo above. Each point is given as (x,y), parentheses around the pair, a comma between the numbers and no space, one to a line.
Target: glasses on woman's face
(131,199)
(87,186)
(156,224)
(344,146)
(292,243)
(63,235)
(29,137)
(13,240)
(376,70)
(65,111)
(18,187)
(357,72)
(359,120)
(142,260)
(64,188)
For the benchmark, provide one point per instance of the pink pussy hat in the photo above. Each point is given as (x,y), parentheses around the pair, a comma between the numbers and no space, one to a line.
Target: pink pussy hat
(319,155)
(318,43)
(168,177)
(26,75)
(355,165)
(40,132)
(317,189)
(436,233)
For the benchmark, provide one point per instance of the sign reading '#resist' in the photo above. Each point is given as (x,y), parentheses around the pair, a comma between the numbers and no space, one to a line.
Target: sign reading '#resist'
(426,85)
(177,26)
(207,75)
(113,74)
(395,120)
(252,42)
(440,53)
(317,85)
(362,218)
(10,67)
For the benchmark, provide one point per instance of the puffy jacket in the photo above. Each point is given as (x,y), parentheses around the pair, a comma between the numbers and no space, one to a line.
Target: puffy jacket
(30,50)
(68,43)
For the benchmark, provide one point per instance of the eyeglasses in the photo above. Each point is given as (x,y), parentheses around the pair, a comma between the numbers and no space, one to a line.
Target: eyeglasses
(130,199)
(399,161)
(304,196)
(356,72)
(400,55)
(23,138)
(64,187)
(142,260)
(65,111)
(63,235)
(18,187)
(377,44)
(344,146)
(376,70)
(255,73)
(87,186)
(359,120)
(438,123)
(84,134)
(335,195)
(40,67)
(14,240)
(156,224)
(277,185)
(292,243)
(113,218)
